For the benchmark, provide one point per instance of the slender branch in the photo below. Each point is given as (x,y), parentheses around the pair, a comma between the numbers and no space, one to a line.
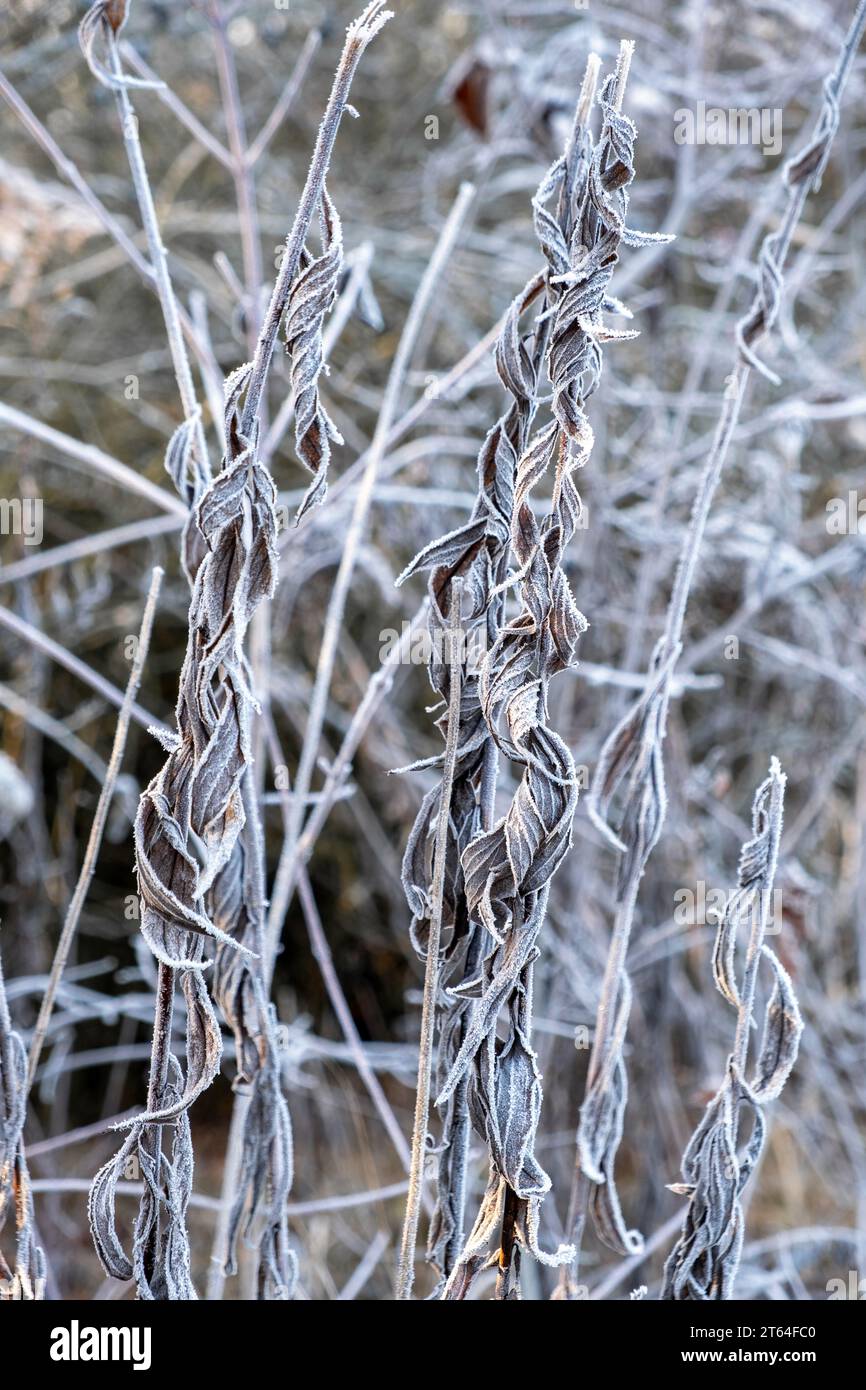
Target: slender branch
(358,36)
(94,544)
(311,46)
(54,729)
(70,171)
(216,1276)
(378,687)
(94,459)
(177,107)
(406,1266)
(160,1057)
(325,960)
(241,169)
(73,913)
(28,633)
(158,255)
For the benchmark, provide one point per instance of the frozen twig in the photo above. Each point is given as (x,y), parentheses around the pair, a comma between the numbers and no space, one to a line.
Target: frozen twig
(454,659)
(88,866)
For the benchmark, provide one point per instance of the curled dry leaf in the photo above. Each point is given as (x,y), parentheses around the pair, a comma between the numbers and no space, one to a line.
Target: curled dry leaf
(803,172)
(160,1263)
(312,295)
(101,25)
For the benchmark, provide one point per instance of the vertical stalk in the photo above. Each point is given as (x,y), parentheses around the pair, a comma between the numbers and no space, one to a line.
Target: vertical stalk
(406,1266)
(359,35)
(242,174)
(159,1060)
(800,182)
(73,912)
(508,1267)
(158,256)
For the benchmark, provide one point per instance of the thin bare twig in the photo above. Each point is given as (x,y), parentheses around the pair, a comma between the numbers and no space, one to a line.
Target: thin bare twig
(73,912)
(406,1265)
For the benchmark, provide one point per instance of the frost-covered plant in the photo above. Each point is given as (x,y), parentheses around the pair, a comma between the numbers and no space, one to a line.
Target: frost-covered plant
(199,849)
(501,869)
(703,1264)
(188,823)
(313,294)
(478,552)
(628,801)
(25,1279)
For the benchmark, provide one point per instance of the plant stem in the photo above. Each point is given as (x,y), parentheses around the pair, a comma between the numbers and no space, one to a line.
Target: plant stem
(509,1259)
(358,36)
(324,958)
(104,687)
(242,174)
(406,1265)
(76,904)
(623,63)
(254,423)
(70,171)
(178,108)
(310,48)
(158,256)
(159,1060)
(96,459)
